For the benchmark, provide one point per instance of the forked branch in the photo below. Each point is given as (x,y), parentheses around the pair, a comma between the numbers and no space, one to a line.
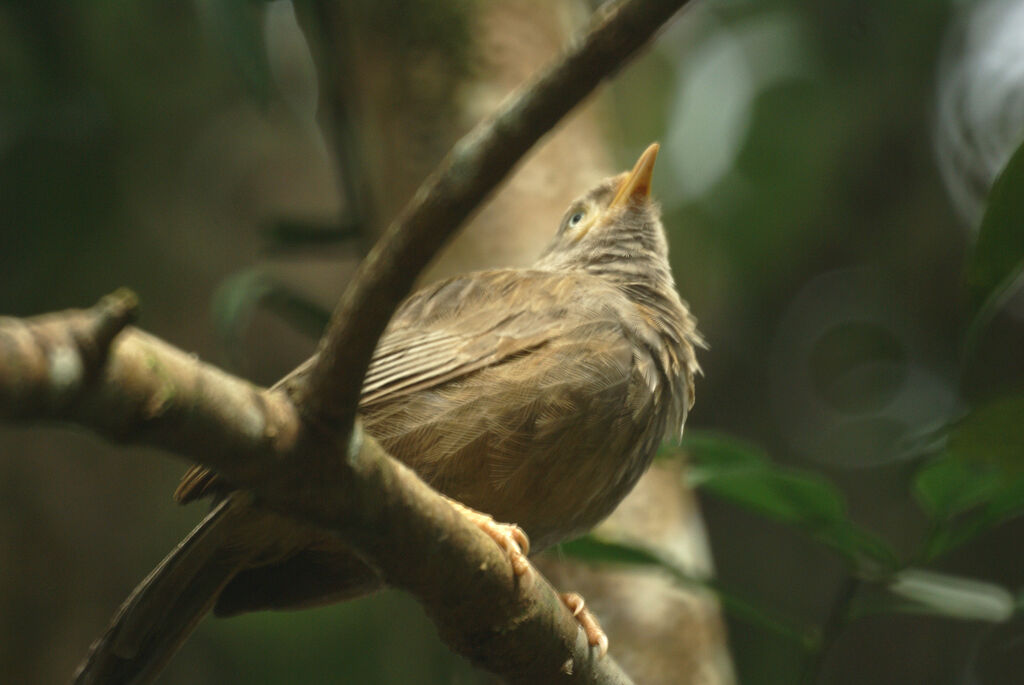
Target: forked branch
(88,367)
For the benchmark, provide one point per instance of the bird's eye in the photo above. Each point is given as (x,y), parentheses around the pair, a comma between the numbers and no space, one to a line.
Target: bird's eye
(575,218)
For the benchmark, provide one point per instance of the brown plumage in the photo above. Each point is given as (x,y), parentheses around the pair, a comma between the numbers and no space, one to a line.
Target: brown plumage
(535,395)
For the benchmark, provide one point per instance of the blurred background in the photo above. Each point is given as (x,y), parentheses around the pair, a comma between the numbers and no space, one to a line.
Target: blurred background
(824,177)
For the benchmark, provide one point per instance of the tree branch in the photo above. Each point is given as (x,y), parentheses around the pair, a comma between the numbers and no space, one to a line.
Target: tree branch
(136,388)
(474,167)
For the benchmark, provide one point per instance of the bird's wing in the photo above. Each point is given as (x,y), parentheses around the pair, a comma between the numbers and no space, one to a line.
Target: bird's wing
(460,326)
(449,330)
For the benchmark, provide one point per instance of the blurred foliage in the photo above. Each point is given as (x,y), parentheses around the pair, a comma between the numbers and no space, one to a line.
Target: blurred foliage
(992,431)
(963,466)
(998,255)
(741,474)
(994,268)
(595,550)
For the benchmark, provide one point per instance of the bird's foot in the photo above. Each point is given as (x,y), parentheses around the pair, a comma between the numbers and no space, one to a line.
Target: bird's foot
(595,635)
(510,538)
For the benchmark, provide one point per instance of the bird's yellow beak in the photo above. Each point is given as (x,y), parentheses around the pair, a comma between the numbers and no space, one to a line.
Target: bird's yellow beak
(638,184)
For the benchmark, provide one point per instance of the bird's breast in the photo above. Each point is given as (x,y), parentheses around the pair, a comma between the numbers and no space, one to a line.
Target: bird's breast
(551,439)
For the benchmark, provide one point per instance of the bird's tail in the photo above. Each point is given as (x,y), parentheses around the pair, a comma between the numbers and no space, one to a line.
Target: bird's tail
(161,612)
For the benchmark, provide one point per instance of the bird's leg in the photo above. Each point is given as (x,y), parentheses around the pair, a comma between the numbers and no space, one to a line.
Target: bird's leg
(587,620)
(510,537)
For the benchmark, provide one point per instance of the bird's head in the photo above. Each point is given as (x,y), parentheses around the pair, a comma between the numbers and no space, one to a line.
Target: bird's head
(615,220)
(614,232)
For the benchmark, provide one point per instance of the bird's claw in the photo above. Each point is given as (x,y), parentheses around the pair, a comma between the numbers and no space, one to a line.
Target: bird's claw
(596,637)
(512,539)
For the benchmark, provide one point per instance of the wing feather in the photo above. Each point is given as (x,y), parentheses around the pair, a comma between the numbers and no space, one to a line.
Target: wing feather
(445,332)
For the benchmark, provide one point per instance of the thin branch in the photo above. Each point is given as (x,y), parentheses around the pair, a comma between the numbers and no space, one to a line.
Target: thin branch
(474,167)
(135,388)
(139,389)
(45,362)
(837,620)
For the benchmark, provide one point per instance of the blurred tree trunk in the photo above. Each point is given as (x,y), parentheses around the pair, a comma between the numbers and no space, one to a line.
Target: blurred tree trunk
(410,98)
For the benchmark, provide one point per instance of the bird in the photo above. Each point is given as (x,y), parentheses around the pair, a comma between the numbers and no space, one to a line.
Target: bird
(532,398)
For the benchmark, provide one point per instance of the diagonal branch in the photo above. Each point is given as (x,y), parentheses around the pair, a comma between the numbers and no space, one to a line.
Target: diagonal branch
(474,167)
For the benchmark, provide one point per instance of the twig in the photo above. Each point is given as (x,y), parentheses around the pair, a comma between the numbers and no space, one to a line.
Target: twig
(46,361)
(836,621)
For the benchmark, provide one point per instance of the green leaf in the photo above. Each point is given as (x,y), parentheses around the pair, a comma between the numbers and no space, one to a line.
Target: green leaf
(992,433)
(594,550)
(711,455)
(789,497)
(978,482)
(743,474)
(1006,503)
(949,485)
(999,252)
